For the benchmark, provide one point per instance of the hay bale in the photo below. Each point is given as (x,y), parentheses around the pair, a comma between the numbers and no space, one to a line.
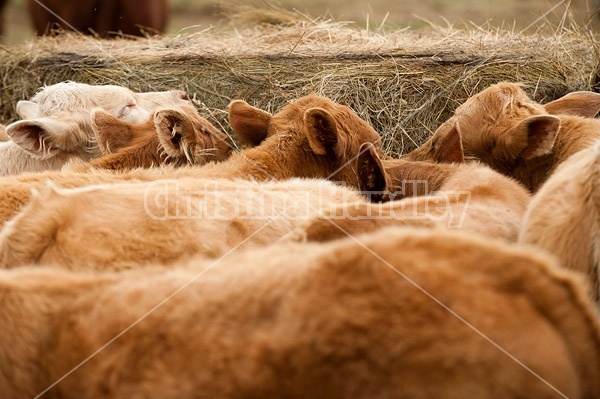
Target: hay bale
(404,83)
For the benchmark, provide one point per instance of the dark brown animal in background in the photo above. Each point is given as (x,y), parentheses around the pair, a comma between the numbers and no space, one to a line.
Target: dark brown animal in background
(99,17)
(2,4)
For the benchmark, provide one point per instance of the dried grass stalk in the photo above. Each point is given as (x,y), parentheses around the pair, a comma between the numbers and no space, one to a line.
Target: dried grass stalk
(404,83)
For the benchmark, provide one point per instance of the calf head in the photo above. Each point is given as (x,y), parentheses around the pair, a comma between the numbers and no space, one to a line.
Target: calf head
(177,136)
(500,126)
(185,135)
(311,137)
(57,119)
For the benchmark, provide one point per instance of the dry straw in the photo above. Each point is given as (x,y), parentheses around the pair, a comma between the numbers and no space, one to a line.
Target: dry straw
(405,83)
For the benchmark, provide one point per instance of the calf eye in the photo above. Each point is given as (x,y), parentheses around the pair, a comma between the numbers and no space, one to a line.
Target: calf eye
(126,110)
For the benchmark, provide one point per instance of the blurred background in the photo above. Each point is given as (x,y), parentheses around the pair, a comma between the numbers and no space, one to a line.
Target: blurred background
(194,15)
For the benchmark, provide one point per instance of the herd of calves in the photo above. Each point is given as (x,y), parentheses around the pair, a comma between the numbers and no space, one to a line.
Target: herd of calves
(146,256)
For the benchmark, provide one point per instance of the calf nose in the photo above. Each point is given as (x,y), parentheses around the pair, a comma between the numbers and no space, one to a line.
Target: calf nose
(183,95)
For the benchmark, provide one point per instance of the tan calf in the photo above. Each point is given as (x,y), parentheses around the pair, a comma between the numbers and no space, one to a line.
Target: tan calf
(312,137)
(502,127)
(467,197)
(121,226)
(402,314)
(172,136)
(564,216)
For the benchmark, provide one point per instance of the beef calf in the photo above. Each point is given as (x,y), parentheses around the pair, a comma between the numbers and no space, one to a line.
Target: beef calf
(312,137)
(398,314)
(503,128)
(172,136)
(564,216)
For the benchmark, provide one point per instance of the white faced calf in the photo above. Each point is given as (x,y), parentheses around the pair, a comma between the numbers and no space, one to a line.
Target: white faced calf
(56,124)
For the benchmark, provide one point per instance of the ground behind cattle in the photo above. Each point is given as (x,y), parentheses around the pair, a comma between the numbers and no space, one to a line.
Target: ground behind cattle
(374,13)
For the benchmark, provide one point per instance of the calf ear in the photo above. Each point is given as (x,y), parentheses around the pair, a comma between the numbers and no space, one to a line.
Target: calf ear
(321,131)
(250,125)
(111,133)
(578,103)
(175,131)
(372,178)
(27,109)
(447,146)
(532,137)
(44,137)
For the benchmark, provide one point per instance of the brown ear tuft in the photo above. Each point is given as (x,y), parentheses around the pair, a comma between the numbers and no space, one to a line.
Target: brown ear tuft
(532,137)
(111,133)
(372,178)
(447,147)
(249,124)
(321,131)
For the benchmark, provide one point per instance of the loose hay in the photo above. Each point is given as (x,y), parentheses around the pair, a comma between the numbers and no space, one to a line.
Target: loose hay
(405,83)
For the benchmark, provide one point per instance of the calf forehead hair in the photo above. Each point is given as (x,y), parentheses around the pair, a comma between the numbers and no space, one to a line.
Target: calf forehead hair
(72,96)
(492,113)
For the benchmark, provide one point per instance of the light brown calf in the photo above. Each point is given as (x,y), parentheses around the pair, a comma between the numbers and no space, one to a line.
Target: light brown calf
(564,216)
(172,136)
(120,226)
(335,320)
(468,197)
(502,127)
(312,137)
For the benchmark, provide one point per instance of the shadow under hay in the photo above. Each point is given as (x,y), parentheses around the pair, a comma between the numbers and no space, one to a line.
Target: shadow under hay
(404,83)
